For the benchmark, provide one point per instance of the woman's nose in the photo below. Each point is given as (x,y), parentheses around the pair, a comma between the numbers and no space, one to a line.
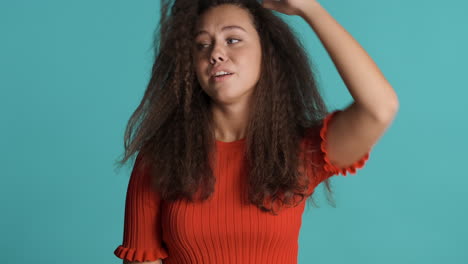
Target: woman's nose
(217,54)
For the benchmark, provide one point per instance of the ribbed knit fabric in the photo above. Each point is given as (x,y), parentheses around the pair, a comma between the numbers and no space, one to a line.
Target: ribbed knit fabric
(220,230)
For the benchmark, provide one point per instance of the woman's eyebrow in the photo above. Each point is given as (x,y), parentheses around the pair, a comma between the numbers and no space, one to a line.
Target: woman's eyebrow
(231,27)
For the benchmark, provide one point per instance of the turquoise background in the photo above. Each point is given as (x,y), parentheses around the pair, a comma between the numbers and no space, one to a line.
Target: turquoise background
(72,72)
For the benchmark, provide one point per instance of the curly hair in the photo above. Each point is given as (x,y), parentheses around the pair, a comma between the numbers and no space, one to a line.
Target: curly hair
(172,127)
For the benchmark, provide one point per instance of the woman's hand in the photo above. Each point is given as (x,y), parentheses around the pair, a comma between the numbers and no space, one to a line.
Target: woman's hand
(288,7)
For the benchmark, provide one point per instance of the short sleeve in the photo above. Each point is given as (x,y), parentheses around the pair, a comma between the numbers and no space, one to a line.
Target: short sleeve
(316,138)
(142,238)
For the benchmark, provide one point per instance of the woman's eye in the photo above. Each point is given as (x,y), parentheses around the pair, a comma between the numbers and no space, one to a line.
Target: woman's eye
(205,45)
(201,46)
(233,39)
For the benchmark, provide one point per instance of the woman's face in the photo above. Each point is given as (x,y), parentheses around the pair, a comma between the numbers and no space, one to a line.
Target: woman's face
(226,40)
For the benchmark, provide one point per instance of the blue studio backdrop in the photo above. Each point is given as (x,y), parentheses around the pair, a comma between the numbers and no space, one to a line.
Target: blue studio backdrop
(72,72)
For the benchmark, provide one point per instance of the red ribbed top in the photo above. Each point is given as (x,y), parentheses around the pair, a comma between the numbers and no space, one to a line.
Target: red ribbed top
(221,229)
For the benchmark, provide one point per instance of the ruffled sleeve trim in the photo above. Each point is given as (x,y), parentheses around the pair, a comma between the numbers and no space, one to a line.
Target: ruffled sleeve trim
(328,166)
(140,255)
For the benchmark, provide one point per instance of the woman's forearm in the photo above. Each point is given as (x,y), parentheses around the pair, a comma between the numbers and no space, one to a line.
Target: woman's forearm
(364,80)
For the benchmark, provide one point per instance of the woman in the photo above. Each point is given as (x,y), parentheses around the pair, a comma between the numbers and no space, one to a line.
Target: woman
(234,134)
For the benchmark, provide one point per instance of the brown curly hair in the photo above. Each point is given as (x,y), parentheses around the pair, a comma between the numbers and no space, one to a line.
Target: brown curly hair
(172,127)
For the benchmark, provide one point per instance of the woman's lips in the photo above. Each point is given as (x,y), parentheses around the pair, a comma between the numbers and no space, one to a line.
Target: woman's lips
(222,78)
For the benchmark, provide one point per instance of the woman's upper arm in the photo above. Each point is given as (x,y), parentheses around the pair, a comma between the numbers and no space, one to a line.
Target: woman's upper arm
(353,133)
(159,261)
(317,148)
(142,236)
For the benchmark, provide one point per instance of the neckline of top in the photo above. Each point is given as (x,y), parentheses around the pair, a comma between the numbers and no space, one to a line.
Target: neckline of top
(235,143)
